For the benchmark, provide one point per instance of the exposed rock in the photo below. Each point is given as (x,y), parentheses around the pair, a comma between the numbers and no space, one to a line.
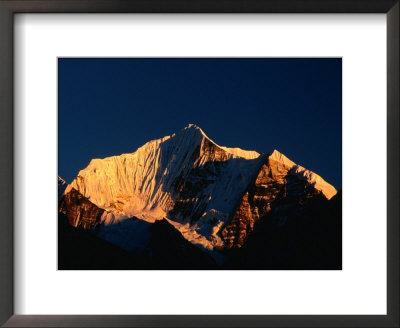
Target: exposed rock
(275,188)
(79,211)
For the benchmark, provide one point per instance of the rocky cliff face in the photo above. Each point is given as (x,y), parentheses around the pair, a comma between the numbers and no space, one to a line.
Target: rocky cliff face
(79,211)
(279,188)
(256,203)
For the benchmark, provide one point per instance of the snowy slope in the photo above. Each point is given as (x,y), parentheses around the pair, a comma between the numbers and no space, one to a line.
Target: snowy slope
(312,178)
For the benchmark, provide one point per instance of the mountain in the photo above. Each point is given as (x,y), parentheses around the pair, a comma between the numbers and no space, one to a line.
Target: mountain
(185,177)
(213,196)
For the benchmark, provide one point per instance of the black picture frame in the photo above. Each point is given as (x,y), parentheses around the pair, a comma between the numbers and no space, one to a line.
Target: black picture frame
(10,7)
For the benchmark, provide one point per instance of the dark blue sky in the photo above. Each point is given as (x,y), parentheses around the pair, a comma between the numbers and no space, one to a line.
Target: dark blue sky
(112,106)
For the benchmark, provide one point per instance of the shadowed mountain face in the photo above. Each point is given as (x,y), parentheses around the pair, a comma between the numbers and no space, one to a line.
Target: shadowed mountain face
(308,240)
(165,249)
(275,191)
(183,194)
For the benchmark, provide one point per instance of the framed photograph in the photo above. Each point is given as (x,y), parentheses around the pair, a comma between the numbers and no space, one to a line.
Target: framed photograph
(199,164)
(182,201)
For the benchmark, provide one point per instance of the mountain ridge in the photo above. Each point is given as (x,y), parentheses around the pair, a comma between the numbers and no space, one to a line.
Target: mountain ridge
(195,184)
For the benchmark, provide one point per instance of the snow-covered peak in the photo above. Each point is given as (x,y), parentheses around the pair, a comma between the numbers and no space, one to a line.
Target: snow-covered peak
(314,179)
(192,126)
(191,131)
(236,152)
(279,157)
(184,176)
(195,130)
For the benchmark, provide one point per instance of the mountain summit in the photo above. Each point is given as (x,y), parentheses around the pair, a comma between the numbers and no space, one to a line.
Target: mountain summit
(212,194)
